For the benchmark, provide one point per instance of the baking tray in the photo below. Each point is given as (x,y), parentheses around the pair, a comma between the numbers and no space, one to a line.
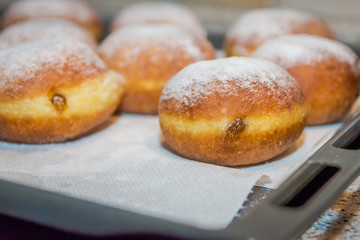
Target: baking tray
(295,204)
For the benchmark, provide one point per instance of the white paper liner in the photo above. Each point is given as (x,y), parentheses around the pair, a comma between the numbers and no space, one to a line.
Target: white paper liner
(125,165)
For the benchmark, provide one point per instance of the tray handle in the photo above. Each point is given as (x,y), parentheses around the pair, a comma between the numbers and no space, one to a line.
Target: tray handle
(314,187)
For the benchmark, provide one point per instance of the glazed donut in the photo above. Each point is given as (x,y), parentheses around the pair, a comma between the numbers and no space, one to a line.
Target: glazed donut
(326,70)
(42,29)
(53,91)
(232,111)
(147,56)
(158,12)
(76,11)
(257,26)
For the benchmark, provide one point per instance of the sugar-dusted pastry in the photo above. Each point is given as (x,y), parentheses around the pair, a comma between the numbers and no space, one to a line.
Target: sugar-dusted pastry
(42,29)
(148,56)
(53,91)
(76,11)
(327,71)
(257,26)
(232,111)
(158,12)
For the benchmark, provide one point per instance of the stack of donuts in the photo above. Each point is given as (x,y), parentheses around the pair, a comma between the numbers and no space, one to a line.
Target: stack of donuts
(283,69)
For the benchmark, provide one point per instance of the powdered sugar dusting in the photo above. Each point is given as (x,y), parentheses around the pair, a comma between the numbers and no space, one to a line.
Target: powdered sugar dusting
(41,29)
(261,24)
(291,50)
(52,8)
(21,62)
(158,12)
(143,36)
(200,79)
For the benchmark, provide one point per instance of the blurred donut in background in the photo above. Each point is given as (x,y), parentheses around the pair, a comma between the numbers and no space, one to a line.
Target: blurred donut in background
(158,12)
(327,71)
(42,29)
(76,11)
(148,56)
(257,26)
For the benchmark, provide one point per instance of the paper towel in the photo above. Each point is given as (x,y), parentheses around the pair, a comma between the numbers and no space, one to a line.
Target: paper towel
(125,166)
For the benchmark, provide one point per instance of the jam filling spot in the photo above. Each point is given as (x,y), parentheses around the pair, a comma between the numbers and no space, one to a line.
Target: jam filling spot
(59,102)
(234,130)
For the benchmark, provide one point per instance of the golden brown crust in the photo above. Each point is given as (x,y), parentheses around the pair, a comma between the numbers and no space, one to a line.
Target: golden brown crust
(246,147)
(146,76)
(45,66)
(245,150)
(158,68)
(329,87)
(161,67)
(139,99)
(231,105)
(48,130)
(45,81)
(232,43)
(238,115)
(56,117)
(95,29)
(54,90)
(327,71)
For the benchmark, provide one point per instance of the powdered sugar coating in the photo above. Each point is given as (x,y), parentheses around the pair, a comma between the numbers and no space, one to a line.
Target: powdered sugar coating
(158,12)
(143,36)
(51,8)
(26,61)
(258,25)
(292,50)
(42,29)
(203,78)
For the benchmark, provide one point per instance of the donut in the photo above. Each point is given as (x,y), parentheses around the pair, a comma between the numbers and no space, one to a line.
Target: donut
(42,29)
(257,26)
(147,56)
(54,91)
(232,111)
(76,11)
(326,70)
(158,12)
